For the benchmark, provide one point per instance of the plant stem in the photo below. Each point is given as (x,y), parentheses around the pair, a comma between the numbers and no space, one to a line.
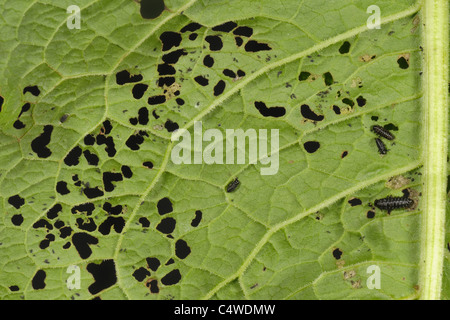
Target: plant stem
(435,21)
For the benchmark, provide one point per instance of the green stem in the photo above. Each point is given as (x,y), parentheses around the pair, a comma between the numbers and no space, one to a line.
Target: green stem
(435,16)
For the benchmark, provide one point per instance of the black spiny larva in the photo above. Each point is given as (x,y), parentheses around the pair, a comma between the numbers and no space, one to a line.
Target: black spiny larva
(381,147)
(382,132)
(232,186)
(390,203)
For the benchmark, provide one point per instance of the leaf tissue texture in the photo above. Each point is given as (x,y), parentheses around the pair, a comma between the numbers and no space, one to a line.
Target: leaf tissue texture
(86,178)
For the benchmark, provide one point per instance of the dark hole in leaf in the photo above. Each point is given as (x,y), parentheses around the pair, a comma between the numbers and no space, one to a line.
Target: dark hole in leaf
(166,69)
(25,108)
(154,286)
(65,232)
(18,125)
(88,225)
(153,263)
(193,36)
(58,224)
(156,100)
(151,9)
(304,75)
(201,80)
(73,157)
(39,144)
(171,126)
(336,109)
(229,73)
(179,101)
(139,90)
(374,118)
(117,222)
(370,214)
(173,277)
(124,76)
(219,88)
(355,202)
(403,63)
(126,171)
(348,101)
(116,210)
(167,225)
(67,245)
(92,193)
(16,201)
(166,81)
(170,261)
(390,127)
(61,188)
(87,208)
(170,39)
(208,61)
(82,242)
(148,164)
(191,27)
(254,46)
(109,178)
(164,206)
(107,127)
(174,56)
(134,141)
(38,281)
(52,213)
(225,27)
(275,112)
(361,101)
(144,222)
(34,90)
(154,114)
(1,103)
(243,31)
(215,43)
(182,250)
(198,218)
(42,223)
(306,112)
(328,78)
(14,288)
(240,73)
(133,121)
(140,274)
(345,47)
(104,275)
(143,116)
(238,41)
(17,219)
(91,158)
(89,140)
(344,154)
(311,146)
(337,253)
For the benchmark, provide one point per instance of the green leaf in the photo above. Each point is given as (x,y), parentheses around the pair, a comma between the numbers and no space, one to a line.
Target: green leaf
(88,181)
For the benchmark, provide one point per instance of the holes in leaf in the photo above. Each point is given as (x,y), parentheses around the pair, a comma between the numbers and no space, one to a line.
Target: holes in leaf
(109,178)
(370,214)
(166,81)
(157,100)
(243,31)
(18,125)
(208,61)
(92,193)
(307,113)
(215,43)
(254,46)
(173,277)
(73,157)
(104,275)
(361,101)
(198,218)
(191,27)
(311,146)
(148,164)
(275,112)
(88,225)
(13,288)
(170,39)
(193,36)
(182,250)
(390,127)
(34,90)
(144,222)
(116,210)
(229,73)
(141,274)
(89,140)
(42,223)
(82,242)
(117,222)
(166,69)
(91,158)
(151,9)
(164,206)
(52,213)
(337,253)
(355,202)
(304,75)
(1,102)
(225,27)
(238,41)
(201,81)
(153,284)
(139,90)
(16,201)
(167,225)
(38,281)
(143,116)
(403,62)
(171,126)
(17,219)
(39,144)
(345,48)
(174,56)
(153,263)
(124,76)
(61,188)
(179,101)
(87,208)
(328,78)
(344,154)
(336,109)
(348,101)
(219,88)
(134,141)
(126,171)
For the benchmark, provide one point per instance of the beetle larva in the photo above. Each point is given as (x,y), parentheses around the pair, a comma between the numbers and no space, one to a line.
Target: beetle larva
(382,132)
(390,203)
(232,186)
(381,147)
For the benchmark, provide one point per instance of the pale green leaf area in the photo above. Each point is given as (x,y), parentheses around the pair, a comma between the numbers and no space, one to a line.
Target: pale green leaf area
(308,232)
